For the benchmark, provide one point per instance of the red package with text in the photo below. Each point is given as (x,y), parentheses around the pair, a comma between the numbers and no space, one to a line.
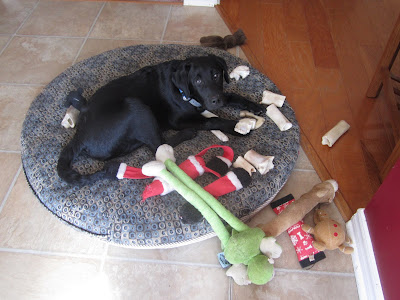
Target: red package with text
(301,240)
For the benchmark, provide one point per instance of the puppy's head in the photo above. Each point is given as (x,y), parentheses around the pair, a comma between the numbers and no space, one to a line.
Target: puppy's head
(201,78)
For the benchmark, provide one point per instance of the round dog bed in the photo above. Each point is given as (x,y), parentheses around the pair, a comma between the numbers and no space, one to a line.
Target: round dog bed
(112,210)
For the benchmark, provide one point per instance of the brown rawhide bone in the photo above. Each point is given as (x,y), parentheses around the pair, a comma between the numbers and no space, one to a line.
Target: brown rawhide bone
(323,192)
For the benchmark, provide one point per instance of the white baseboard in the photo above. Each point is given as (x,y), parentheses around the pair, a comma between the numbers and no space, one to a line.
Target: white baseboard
(367,276)
(209,3)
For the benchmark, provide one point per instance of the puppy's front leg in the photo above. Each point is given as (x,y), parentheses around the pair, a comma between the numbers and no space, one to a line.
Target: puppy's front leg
(202,123)
(242,103)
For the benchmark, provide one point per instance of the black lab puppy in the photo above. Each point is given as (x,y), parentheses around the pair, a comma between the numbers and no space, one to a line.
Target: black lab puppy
(133,110)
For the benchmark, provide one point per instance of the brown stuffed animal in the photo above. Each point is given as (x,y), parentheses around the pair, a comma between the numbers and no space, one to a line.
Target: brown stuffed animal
(229,41)
(323,192)
(328,234)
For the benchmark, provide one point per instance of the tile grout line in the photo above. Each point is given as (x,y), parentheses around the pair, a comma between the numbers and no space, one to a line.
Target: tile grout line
(166,24)
(104,257)
(20,26)
(83,37)
(165,262)
(230,288)
(50,253)
(89,32)
(310,272)
(10,188)
(10,151)
(23,84)
(303,170)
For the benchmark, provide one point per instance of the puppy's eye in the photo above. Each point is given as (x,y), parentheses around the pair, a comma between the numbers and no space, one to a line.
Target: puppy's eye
(198,81)
(216,76)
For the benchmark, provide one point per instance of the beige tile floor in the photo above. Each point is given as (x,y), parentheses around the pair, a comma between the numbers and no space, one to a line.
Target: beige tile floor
(42,258)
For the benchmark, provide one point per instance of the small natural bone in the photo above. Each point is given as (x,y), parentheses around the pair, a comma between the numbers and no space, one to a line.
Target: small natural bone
(335,133)
(245,125)
(244,164)
(260,120)
(261,162)
(219,134)
(71,117)
(240,71)
(278,118)
(272,98)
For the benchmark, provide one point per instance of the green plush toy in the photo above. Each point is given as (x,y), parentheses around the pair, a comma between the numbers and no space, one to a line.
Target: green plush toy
(243,247)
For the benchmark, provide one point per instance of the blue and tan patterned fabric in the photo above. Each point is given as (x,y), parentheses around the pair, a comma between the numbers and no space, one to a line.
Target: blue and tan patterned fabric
(112,210)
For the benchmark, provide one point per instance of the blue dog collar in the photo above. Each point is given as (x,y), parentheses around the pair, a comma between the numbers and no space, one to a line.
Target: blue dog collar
(190,100)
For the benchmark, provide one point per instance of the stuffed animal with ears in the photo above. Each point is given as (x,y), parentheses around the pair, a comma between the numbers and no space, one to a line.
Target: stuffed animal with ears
(248,249)
(323,192)
(328,233)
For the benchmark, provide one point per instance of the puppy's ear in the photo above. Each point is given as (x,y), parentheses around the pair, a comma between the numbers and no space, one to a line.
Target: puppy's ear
(180,78)
(222,64)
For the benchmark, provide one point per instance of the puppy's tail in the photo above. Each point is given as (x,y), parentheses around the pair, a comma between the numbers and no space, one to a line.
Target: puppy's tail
(69,175)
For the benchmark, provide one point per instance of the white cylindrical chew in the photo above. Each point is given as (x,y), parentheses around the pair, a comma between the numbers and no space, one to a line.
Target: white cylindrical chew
(335,133)
(262,163)
(71,117)
(244,164)
(278,118)
(260,120)
(244,126)
(272,98)
(219,134)
(240,71)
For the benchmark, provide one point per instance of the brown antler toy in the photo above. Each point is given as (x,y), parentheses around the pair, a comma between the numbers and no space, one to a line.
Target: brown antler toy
(323,192)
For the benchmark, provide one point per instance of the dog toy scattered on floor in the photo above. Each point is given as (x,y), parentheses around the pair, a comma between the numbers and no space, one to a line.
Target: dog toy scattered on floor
(229,41)
(246,244)
(239,177)
(307,254)
(328,233)
(335,133)
(323,192)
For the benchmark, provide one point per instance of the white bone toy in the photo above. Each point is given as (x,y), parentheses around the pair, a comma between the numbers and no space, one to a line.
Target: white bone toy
(244,126)
(278,118)
(244,164)
(240,71)
(259,120)
(219,134)
(272,98)
(335,133)
(262,163)
(71,117)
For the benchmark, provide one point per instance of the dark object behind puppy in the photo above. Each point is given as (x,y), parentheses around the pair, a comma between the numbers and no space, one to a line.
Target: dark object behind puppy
(229,41)
(133,110)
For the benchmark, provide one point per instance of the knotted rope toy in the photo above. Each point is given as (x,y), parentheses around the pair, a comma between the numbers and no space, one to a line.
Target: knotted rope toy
(246,246)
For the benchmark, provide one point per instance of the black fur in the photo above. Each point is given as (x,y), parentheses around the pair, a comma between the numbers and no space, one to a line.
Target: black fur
(132,111)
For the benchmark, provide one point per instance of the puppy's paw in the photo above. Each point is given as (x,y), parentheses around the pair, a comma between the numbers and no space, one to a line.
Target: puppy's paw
(181,136)
(257,109)
(189,214)
(188,133)
(111,169)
